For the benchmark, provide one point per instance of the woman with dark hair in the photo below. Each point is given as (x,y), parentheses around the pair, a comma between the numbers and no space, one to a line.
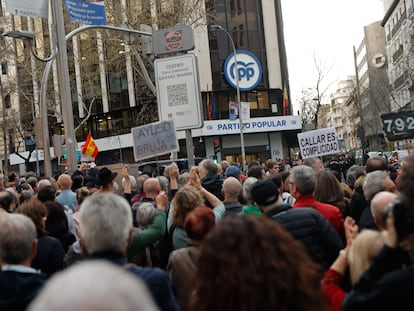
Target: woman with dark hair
(57,224)
(183,262)
(251,263)
(50,253)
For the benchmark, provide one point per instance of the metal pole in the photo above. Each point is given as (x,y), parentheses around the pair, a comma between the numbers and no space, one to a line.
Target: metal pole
(64,85)
(5,167)
(47,163)
(67,109)
(236,67)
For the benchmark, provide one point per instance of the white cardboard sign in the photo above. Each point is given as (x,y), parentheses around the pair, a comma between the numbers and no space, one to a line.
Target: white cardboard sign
(154,139)
(318,142)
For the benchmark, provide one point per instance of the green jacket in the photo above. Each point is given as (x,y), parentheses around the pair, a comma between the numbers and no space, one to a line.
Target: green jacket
(251,209)
(147,237)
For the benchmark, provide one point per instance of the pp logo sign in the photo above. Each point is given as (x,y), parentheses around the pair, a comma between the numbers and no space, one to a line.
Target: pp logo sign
(248,68)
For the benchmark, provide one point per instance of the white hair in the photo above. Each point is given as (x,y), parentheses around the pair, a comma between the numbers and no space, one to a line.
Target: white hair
(105,220)
(17,234)
(94,285)
(146,214)
(247,187)
(133,181)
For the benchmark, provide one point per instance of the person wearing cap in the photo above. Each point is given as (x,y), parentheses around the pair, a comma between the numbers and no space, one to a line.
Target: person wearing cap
(105,180)
(234,171)
(304,224)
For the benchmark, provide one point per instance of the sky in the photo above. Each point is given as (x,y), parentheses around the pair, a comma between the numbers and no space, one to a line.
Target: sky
(327,29)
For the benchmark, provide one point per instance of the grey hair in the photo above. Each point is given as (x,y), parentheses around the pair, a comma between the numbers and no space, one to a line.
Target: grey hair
(17,234)
(304,178)
(89,286)
(210,166)
(132,180)
(164,182)
(311,162)
(105,220)
(247,188)
(183,179)
(146,214)
(374,183)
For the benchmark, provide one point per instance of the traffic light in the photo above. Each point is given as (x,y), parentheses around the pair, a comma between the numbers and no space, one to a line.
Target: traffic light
(217,146)
(215,159)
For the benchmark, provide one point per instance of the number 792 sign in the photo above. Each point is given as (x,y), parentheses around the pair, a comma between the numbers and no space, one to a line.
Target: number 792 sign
(398,125)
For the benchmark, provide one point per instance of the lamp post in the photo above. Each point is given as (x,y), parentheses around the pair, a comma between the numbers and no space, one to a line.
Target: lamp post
(243,153)
(63,76)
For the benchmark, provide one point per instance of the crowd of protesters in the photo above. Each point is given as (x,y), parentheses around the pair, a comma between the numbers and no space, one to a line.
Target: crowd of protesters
(279,236)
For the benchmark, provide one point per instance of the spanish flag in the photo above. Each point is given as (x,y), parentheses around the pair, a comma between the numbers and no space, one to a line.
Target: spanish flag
(285,101)
(89,147)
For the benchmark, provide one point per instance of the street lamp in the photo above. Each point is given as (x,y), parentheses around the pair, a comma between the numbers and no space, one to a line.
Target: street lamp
(218,27)
(63,72)
(30,36)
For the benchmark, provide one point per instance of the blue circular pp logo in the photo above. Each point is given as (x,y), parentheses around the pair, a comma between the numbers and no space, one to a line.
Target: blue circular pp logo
(248,67)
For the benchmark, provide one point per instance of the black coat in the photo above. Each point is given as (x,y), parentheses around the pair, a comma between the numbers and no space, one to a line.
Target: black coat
(311,228)
(385,286)
(50,255)
(18,289)
(358,204)
(213,184)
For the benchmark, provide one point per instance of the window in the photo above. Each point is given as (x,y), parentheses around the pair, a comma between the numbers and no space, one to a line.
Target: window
(4,68)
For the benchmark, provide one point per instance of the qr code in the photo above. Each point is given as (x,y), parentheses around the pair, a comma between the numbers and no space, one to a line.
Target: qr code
(177,94)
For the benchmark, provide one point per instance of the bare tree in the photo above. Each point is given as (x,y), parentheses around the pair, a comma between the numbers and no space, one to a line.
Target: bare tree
(312,97)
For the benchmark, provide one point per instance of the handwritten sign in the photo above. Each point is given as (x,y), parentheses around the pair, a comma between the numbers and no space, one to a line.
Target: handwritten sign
(154,139)
(318,143)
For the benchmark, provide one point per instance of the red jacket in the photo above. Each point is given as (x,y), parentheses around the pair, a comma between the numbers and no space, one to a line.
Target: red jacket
(331,289)
(330,212)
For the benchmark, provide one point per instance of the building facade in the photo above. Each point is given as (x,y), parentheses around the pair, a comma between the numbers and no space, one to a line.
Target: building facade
(398,23)
(110,96)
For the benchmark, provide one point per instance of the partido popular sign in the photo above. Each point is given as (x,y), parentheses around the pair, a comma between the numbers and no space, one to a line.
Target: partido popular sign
(318,142)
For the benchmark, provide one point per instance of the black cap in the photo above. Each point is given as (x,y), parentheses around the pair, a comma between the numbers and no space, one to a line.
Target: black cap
(105,176)
(264,192)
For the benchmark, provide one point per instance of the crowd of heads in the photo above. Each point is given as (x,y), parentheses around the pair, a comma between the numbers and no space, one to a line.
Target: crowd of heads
(228,235)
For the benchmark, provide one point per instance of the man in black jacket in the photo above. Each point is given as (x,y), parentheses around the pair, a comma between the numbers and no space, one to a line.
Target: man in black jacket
(211,180)
(389,281)
(19,283)
(305,224)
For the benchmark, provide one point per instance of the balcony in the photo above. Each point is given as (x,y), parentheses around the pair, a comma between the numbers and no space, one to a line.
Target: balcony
(397,54)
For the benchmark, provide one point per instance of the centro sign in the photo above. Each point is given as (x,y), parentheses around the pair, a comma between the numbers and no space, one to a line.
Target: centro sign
(248,67)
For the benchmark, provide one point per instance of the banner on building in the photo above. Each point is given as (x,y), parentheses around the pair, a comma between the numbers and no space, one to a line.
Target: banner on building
(87,12)
(29,8)
(285,101)
(233,111)
(318,142)
(245,111)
